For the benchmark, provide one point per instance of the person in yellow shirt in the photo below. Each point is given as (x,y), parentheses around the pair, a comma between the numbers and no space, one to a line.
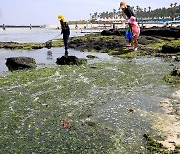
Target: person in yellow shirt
(65,30)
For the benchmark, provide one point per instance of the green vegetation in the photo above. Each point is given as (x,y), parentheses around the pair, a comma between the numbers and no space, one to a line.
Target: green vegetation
(29,46)
(173,43)
(173,77)
(35,103)
(155,147)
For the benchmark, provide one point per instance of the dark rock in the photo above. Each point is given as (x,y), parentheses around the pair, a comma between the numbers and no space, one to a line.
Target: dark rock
(97,47)
(145,40)
(165,32)
(153,31)
(175,72)
(170,49)
(15,63)
(98,44)
(70,60)
(91,56)
(111,32)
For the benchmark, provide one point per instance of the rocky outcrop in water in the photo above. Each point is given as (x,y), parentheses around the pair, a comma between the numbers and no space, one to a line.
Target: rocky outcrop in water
(96,43)
(24,46)
(173,77)
(154,31)
(70,60)
(113,32)
(15,63)
(160,31)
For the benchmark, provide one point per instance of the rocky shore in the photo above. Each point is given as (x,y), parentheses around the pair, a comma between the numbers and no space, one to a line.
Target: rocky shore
(162,42)
(154,41)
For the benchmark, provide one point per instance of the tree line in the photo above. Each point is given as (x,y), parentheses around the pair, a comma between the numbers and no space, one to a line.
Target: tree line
(142,13)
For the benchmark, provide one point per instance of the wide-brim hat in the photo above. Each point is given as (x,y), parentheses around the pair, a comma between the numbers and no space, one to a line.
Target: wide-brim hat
(132,20)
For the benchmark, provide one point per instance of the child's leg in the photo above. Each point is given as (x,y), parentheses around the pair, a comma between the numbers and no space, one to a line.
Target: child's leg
(135,41)
(132,41)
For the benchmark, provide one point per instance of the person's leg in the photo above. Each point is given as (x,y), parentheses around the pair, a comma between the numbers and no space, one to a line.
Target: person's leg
(65,38)
(132,42)
(135,42)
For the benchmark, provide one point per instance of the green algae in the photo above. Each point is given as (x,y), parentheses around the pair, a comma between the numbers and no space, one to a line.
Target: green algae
(34,103)
(39,100)
(29,46)
(174,43)
(119,51)
(154,147)
(172,79)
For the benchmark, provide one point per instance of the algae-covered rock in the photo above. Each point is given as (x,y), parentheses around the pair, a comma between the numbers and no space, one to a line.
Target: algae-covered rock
(70,60)
(145,40)
(173,77)
(15,63)
(171,47)
(24,46)
(165,32)
(97,43)
(111,32)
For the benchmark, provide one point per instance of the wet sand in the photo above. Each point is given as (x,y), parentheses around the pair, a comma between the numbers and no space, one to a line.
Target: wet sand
(172,128)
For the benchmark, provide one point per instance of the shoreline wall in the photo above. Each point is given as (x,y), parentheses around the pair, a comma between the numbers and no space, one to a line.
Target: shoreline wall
(94,26)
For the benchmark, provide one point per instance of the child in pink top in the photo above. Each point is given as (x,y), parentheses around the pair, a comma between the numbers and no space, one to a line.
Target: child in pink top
(136,32)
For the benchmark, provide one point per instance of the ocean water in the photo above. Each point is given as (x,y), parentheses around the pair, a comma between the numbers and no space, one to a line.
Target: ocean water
(40,35)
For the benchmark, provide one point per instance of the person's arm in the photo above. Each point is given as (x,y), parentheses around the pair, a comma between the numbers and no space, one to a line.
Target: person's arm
(124,15)
(61,27)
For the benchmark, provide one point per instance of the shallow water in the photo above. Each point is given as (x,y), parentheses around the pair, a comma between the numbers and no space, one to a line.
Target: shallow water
(142,90)
(44,56)
(25,35)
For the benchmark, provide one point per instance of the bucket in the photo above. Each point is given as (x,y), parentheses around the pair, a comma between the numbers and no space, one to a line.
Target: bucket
(128,35)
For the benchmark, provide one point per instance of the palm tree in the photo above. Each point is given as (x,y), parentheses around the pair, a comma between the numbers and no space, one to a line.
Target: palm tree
(149,9)
(114,11)
(90,16)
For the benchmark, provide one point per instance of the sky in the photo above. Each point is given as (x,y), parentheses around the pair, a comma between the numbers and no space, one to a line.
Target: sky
(39,12)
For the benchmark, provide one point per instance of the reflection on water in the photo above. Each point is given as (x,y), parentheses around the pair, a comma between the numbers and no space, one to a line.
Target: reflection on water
(49,54)
(44,56)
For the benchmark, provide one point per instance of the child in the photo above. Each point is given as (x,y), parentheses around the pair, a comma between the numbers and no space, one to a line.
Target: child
(129,35)
(65,31)
(136,32)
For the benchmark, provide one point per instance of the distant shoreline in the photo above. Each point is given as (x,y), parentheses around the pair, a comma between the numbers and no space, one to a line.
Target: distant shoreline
(19,26)
(88,26)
